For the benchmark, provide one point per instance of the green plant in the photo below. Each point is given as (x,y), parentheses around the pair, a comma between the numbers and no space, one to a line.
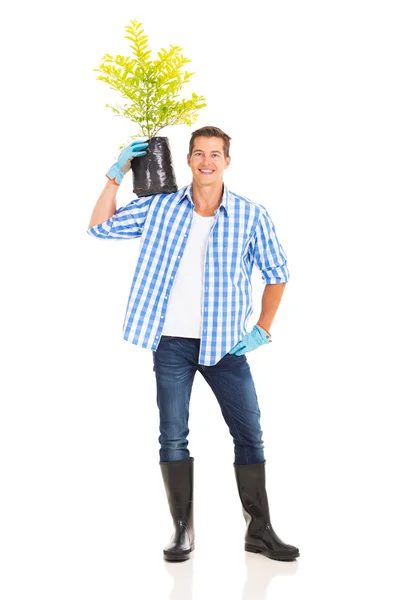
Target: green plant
(152,87)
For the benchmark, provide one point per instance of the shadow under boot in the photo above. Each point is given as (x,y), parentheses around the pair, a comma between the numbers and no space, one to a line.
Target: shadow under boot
(178,482)
(260,536)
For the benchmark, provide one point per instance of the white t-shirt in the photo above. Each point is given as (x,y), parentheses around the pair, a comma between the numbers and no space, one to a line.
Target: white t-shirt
(183,317)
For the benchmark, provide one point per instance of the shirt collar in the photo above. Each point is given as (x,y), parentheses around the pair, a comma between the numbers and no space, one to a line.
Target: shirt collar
(225,202)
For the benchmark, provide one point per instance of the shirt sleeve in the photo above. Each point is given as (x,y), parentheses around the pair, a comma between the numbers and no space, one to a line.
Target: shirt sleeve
(127,222)
(268,253)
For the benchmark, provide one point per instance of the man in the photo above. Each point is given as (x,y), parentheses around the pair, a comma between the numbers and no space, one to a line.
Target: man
(189,303)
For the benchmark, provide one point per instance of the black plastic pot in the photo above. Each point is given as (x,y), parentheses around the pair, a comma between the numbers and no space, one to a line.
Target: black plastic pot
(153,173)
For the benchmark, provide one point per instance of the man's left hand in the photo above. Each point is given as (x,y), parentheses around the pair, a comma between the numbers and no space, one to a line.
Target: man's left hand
(257,337)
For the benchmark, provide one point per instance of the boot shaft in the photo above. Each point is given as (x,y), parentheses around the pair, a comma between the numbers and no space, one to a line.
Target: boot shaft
(178,482)
(250,480)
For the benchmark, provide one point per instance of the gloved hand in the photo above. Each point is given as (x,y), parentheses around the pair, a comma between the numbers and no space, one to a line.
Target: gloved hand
(251,341)
(123,164)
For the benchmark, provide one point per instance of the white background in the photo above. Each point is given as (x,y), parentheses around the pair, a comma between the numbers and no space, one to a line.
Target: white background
(309,93)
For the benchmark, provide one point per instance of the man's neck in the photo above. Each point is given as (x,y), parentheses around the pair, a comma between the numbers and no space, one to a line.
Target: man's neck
(207,199)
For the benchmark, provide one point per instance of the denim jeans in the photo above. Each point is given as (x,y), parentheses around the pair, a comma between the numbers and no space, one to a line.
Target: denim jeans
(175,364)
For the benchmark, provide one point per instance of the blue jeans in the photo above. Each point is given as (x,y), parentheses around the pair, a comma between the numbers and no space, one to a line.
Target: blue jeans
(175,365)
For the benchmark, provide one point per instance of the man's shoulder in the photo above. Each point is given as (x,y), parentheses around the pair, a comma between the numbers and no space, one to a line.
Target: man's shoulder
(247,202)
(178,194)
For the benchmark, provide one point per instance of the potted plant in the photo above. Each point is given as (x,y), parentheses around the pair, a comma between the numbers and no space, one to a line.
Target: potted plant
(151,89)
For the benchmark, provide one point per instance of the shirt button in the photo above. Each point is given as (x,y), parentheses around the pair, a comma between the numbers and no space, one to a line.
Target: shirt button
(162,316)
(156,337)
(166,296)
(178,256)
(172,276)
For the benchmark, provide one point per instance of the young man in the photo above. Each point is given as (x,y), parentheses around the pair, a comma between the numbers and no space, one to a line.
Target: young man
(189,303)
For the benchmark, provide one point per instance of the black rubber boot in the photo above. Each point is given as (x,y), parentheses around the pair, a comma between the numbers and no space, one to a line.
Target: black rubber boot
(260,536)
(178,482)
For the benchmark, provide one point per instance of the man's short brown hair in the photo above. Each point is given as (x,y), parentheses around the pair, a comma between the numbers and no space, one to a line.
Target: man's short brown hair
(210,132)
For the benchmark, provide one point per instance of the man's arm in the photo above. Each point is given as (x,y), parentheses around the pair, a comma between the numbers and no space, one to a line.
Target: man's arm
(106,205)
(126,222)
(270,258)
(271,299)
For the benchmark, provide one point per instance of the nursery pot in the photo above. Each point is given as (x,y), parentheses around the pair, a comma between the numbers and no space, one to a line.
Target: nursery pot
(153,173)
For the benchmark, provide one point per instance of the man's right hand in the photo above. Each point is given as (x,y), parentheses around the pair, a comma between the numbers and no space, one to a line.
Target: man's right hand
(123,164)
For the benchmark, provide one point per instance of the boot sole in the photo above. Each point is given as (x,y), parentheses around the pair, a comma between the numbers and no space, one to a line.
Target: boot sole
(258,550)
(174,557)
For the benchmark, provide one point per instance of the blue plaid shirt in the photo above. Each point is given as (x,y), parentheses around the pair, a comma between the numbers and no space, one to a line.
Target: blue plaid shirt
(241,234)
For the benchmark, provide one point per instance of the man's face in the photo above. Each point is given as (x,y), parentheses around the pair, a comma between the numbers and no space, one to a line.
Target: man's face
(207,160)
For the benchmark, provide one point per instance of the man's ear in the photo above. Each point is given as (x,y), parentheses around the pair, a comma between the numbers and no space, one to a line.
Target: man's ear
(188,159)
(227,162)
